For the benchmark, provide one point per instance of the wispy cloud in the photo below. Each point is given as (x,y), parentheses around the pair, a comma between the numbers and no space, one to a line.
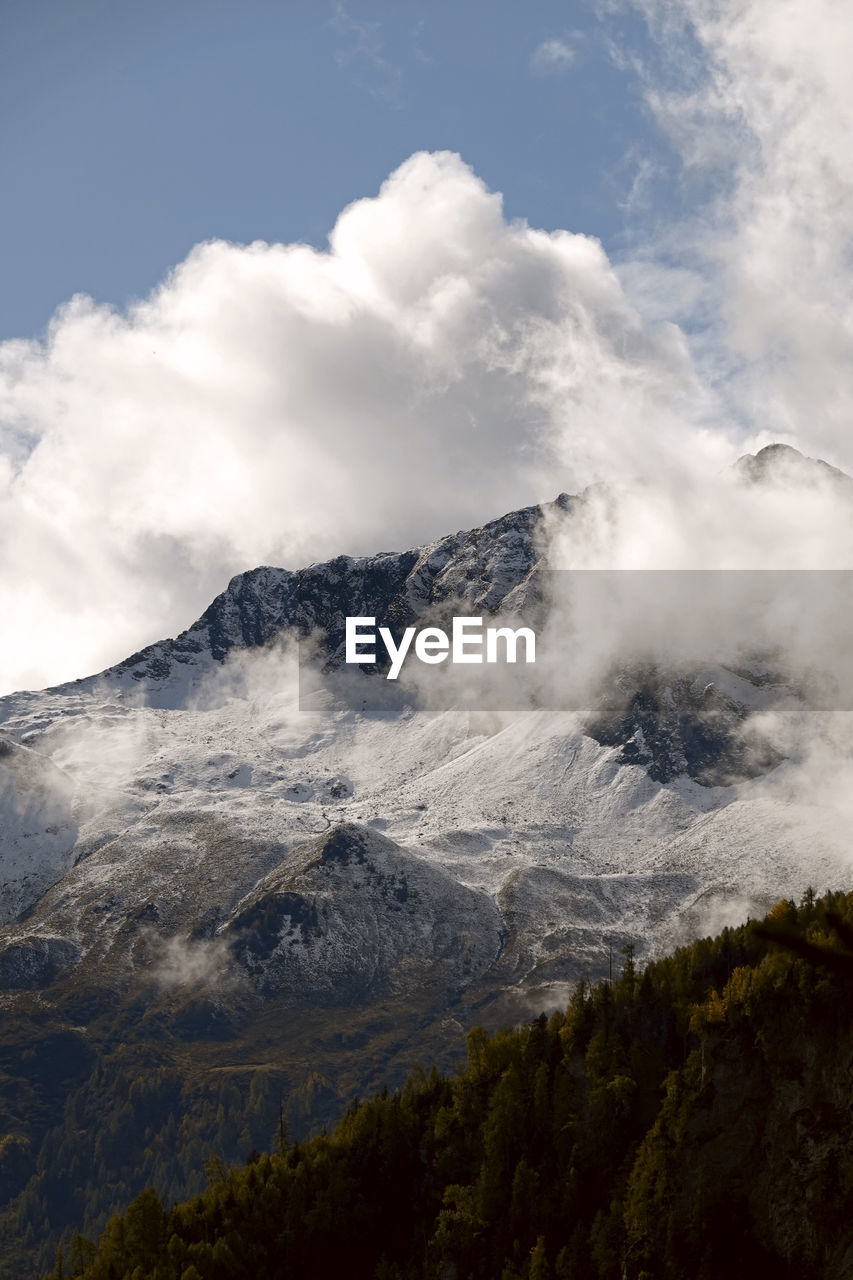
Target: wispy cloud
(178,962)
(365,59)
(552,57)
(418,51)
(756,98)
(646,170)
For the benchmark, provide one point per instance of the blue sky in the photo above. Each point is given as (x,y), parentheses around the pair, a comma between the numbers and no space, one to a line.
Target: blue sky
(133,131)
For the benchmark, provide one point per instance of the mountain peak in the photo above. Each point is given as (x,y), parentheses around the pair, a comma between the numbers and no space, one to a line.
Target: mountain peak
(480,570)
(782,464)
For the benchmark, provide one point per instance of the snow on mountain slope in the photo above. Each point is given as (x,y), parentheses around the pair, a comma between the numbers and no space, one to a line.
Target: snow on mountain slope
(194,826)
(38,829)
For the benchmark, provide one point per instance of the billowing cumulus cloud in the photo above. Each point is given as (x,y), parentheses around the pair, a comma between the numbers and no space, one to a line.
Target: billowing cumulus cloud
(275,404)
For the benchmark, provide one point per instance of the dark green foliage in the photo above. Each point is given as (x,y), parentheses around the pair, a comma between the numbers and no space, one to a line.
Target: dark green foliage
(684,1123)
(128,1121)
(104,1094)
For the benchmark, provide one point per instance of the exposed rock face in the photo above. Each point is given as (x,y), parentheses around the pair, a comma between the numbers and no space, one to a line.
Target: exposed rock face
(676,726)
(35,962)
(479,570)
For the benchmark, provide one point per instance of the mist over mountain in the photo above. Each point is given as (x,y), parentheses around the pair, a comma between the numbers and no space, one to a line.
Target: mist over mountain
(299,302)
(200,875)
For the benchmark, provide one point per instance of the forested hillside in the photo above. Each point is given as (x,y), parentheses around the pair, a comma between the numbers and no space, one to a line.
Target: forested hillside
(690,1121)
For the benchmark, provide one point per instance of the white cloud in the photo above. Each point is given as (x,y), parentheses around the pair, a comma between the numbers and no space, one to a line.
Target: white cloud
(552,57)
(365,58)
(758,94)
(179,962)
(275,404)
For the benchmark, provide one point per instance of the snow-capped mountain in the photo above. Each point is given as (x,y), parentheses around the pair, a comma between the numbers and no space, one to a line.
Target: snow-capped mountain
(178,823)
